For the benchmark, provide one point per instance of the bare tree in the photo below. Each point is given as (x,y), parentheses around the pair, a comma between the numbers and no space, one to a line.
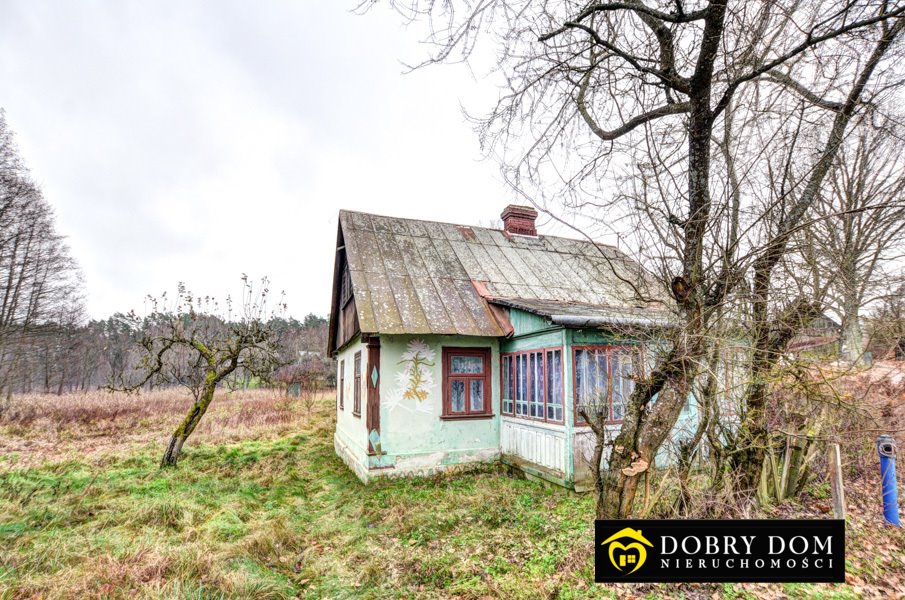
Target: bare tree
(311,373)
(597,89)
(859,226)
(886,325)
(190,345)
(39,281)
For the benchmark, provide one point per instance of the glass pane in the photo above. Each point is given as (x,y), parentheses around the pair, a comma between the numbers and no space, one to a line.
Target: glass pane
(623,384)
(507,383)
(536,360)
(581,378)
(554,377)
(521,378)
(467,365)
(601,389)
(457,395)
(591,380)
(477,395)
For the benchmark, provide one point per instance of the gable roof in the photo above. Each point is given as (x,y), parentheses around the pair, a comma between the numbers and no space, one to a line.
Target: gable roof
(423,277)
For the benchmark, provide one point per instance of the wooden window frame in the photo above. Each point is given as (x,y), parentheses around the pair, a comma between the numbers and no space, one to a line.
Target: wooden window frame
(485,354)
(626,349)
(345,285)
(512,356)
(356,393)
(342,383)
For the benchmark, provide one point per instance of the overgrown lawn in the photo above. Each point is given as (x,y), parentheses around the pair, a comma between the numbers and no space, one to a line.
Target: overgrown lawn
(280,516)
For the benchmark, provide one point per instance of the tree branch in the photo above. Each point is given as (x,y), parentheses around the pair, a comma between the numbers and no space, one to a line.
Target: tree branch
(628,126)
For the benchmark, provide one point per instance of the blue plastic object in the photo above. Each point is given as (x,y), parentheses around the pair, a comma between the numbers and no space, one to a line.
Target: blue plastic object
(886,448)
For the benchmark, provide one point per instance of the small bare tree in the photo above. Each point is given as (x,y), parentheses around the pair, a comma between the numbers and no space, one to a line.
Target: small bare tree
(192,346)
(309,373)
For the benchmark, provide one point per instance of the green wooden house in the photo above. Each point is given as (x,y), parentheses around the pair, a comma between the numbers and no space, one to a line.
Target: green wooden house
(457,344)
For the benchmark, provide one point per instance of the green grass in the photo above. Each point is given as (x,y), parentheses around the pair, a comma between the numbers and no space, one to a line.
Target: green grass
(278,518)
(284,518)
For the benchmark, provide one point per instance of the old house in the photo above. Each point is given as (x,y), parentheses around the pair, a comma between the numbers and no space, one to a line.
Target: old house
(820,337)
(458,344)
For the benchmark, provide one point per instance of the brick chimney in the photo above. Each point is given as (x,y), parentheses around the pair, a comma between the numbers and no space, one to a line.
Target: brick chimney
(519,220)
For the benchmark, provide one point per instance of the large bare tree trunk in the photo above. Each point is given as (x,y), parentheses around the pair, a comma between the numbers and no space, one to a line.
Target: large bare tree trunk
(644,431)
(645,427)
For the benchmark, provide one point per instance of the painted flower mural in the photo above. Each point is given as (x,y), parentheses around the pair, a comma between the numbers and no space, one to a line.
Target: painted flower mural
(415,378)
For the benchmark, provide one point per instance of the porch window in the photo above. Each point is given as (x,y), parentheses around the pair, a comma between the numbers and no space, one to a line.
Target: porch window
(532,384)
(554,386)
(521,388)
(466,383)
(603,380)
(356,393)
(342,382)
(507,385)
(536,387)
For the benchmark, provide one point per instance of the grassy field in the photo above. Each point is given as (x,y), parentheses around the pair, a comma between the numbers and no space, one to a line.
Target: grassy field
(260,507)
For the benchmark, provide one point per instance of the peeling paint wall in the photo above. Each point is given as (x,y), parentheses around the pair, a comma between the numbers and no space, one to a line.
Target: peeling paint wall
(414,436)
(536,444)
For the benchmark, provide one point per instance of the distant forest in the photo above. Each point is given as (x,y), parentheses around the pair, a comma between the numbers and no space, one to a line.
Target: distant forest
(57,358)
(47,344)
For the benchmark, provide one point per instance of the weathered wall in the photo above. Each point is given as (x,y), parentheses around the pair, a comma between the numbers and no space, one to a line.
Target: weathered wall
(416,440)
(538,448)
(414,436)
(524,323)
(351,437)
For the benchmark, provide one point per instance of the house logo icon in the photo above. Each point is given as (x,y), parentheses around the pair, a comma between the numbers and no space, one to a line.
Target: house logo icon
(627,555)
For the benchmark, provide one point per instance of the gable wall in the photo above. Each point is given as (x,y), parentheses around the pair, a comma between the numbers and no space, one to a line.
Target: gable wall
(351,436)
(524,323)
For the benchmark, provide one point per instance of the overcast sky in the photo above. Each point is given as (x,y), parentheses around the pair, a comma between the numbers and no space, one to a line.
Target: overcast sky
(196,141)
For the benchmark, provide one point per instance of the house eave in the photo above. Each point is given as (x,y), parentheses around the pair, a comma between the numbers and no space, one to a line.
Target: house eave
(580,322)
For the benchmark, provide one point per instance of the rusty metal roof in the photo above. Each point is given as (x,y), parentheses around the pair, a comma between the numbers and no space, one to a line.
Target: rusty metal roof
(411,276)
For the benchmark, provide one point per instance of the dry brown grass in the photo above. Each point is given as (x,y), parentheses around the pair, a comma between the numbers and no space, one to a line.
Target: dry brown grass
(40,428)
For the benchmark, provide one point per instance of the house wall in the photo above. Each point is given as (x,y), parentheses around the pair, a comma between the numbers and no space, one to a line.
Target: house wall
(414,437)
(415,440)
(351,437)
(540,449)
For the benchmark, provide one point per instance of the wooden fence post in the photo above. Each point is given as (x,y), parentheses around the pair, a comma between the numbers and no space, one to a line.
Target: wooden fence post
(834,464)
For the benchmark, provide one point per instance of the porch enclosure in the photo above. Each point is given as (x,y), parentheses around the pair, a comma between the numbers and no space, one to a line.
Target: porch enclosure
(547,376)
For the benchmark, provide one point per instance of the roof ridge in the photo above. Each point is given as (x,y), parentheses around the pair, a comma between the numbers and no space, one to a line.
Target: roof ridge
(559,237)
